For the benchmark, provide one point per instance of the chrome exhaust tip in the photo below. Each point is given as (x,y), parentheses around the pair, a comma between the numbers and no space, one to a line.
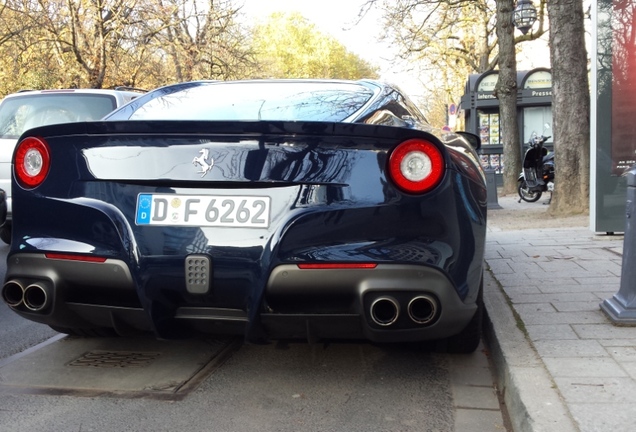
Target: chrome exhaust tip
(384,311)
(36,297)
(13,293)
(422,309)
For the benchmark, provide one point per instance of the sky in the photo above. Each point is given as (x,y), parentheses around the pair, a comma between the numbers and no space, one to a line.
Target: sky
(339,18)
(335,17)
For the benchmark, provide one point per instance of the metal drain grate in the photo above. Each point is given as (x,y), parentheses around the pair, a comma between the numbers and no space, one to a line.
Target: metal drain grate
(115,359)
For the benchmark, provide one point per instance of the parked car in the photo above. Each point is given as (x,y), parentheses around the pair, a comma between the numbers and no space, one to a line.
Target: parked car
(27,109)
(272,209)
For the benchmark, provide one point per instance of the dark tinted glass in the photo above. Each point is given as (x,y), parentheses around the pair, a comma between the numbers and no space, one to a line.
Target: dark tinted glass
(289,101)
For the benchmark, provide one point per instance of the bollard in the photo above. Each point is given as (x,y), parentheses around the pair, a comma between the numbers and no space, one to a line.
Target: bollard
(621,308)
(491,189)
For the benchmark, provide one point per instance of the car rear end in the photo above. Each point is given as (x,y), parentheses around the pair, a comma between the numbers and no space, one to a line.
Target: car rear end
(331,225)
(269,229)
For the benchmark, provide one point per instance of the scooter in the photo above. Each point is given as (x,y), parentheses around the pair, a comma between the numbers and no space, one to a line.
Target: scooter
(538,171)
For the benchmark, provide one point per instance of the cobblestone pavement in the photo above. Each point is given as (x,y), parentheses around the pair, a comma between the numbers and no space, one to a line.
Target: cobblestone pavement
(563,364)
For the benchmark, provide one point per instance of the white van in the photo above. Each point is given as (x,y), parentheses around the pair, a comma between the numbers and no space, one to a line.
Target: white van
(28,109)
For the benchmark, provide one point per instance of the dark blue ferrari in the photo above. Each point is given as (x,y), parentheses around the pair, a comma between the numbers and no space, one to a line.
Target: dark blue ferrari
(274,209)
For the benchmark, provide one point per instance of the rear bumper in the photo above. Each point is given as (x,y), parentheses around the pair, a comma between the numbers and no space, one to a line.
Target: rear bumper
(335,304)
(291,291)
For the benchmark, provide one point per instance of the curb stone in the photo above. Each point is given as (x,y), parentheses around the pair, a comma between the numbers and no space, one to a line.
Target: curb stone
(533,402)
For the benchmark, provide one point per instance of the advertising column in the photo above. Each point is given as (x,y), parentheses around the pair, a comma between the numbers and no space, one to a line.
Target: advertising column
(623,86)
(613,113)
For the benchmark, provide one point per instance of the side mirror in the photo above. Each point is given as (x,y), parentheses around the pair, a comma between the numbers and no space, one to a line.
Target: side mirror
(473,139)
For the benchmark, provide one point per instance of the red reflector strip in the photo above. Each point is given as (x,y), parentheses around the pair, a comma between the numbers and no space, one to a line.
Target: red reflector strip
(73,257)
(323,266)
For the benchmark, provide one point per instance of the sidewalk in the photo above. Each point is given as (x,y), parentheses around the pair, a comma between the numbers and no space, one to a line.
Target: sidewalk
(562,365)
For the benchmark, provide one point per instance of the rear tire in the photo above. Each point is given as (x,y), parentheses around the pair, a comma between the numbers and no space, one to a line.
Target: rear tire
(525,194)
(467,341)
(5,233)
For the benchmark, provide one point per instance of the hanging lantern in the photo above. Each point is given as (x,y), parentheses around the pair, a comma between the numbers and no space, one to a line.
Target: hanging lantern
(524,15)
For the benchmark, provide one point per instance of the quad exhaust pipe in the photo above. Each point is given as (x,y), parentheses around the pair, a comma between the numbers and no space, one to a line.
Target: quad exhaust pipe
(421,309)
(35,297)
(13,293)
(385,311)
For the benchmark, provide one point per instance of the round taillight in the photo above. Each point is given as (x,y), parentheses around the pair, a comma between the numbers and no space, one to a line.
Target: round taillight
(416,166)
(32,162)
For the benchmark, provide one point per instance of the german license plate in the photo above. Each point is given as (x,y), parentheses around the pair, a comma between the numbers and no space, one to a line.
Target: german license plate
(203,210)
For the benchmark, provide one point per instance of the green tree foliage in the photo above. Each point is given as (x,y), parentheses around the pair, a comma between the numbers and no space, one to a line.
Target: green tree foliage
(289,46)
(447,40)
(23,64)
(457,37)
(104,43)
(455,33)
(198,39)
(149,43)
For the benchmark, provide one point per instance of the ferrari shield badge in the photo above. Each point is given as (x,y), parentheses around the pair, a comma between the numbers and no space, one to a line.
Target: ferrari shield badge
(204,161)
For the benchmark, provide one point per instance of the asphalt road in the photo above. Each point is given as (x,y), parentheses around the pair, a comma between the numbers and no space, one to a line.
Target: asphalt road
(17,334)
(276,387)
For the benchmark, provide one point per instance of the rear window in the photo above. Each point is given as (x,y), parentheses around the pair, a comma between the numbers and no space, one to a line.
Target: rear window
(289,101)
(20,113)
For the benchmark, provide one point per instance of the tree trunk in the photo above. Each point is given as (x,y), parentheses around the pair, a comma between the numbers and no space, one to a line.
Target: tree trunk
(570,107)
(506,92)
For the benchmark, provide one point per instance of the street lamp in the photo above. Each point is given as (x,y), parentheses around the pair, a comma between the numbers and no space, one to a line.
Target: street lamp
(524,15)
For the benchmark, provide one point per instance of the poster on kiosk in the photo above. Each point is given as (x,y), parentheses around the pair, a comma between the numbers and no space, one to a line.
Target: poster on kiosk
(613,134)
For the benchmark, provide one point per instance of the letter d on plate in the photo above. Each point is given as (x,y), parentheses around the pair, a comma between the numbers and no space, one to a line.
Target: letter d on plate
(144,203)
